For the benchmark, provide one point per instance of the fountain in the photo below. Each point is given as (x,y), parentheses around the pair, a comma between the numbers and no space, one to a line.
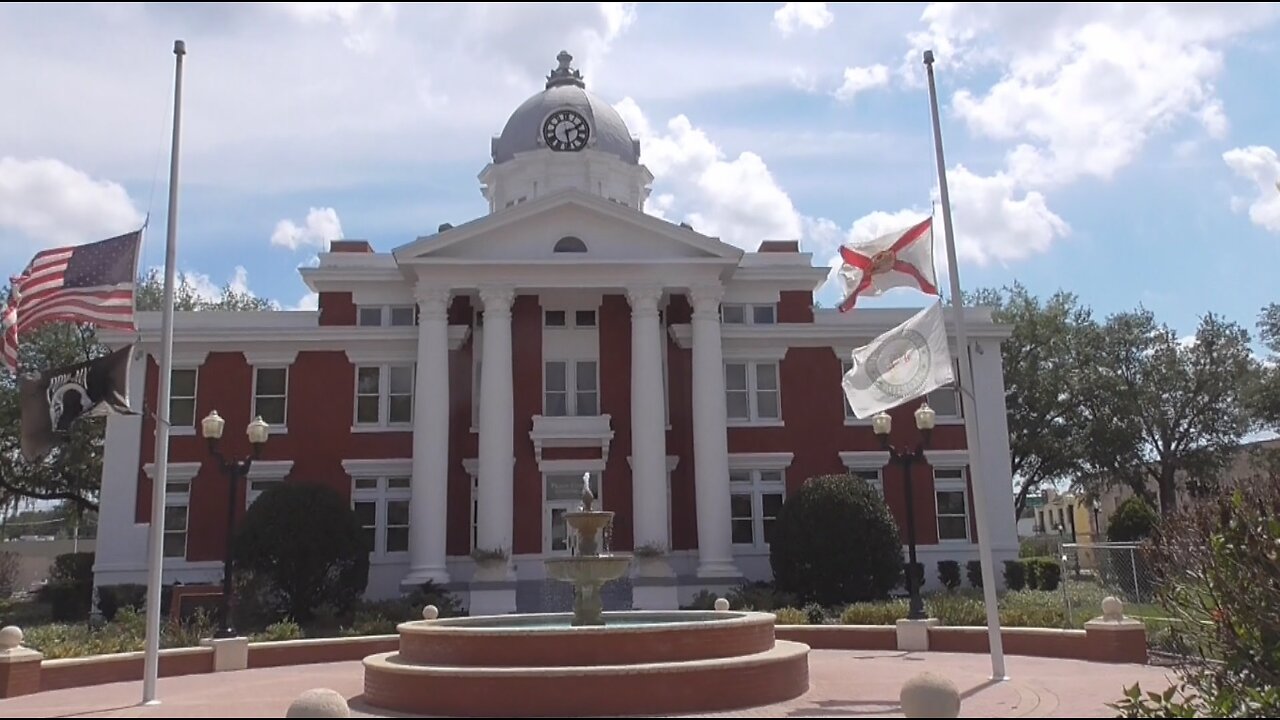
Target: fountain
(588,663)
(587,568)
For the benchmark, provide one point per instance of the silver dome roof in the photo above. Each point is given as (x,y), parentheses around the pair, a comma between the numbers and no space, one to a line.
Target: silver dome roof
(565,90)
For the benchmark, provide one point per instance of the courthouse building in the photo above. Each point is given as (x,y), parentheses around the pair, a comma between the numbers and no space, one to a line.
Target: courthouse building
(456,389)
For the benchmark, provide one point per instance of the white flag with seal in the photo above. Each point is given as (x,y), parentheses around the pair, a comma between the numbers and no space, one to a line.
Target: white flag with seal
(908,362)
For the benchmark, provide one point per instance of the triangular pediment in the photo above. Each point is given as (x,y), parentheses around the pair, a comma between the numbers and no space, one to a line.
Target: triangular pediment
(529,232)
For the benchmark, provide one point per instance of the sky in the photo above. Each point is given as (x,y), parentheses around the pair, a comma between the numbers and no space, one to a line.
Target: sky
(1124,152)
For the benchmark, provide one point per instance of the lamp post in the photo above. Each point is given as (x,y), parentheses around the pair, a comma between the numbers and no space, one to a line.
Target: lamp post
(236,470)
(882,424)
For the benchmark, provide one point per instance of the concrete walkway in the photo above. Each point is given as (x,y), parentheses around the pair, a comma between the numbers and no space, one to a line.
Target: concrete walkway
(842,683)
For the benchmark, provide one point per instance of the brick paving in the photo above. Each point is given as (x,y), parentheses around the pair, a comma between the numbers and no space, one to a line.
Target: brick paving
(842,683)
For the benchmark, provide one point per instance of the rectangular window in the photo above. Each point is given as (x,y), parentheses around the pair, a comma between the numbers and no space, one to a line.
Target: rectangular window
(369,315)
(953,504)
(845,367)
(384,395)
(946,401)
(755,498)
(182,398)
(764,314)
(381,505)
(257,487)
(403,315)
(175,528)
(571,388)
(733,314)
(584,318)
(751,391)
(554,318)
(749,314)
(872,478)
(270,390)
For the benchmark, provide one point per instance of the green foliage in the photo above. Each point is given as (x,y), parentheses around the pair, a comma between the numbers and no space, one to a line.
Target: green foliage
(874,613)
(1039,546)
(835,542)
(282,630)
(815,614)
(69,592)
(1264,397)
(956,610)
(759,596)
(1134,520)
(1041,573)
(125,634)
(1218,563)
(1040,371)
(704,600)
(1155,408)
(149,295)
(949,574)
(428,593)
(113,598)
(303,543)
(1015,575)
(973,569)
(790,616)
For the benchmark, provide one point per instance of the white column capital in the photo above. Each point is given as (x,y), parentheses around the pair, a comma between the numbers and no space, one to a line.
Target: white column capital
(497,299)
(705,299)
(433,300)
(644,299)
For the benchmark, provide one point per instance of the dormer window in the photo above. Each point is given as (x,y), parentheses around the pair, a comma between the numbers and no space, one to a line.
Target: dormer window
(570,244)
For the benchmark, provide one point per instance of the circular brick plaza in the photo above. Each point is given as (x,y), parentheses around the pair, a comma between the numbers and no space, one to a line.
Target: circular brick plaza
(842,683)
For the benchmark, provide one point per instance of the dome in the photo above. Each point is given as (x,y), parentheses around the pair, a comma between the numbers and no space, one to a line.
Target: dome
(565,91)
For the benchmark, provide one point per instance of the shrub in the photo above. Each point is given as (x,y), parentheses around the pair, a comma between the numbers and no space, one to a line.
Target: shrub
(973,569)
(949,574)
(1039,546)
(112,598)
(9,565)
(759,596)
(304,544)
(1043,573)
(790,616)
(1034,608)
(69,592)
(815,614)
(1217,565)
(918,571)
(704,600)
(835,542)
(1015,575)
(957,610)
(428,593)
(1134,520)
(283,630)
(877,613)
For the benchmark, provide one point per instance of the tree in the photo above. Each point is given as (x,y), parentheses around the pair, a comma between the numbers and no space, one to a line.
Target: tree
(834,542)
(1265,398)
(303,546)
(1156,409)
(1133,521)
(72,471)
(1039,376)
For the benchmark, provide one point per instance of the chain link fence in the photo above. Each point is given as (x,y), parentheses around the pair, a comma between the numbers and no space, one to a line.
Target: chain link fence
(1121,569)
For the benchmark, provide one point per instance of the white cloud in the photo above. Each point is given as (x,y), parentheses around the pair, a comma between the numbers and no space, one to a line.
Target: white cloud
(736,199)
(860,79)
(1083,86)
(1260,165)
(320,226)
(796,15)
(46,202)
(309,301)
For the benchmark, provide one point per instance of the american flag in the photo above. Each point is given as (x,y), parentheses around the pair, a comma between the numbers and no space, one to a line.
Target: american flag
(90,283)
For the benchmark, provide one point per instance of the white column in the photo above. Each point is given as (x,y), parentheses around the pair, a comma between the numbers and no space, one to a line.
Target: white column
(497,428)
(428,504)
(710,440)
(648,424)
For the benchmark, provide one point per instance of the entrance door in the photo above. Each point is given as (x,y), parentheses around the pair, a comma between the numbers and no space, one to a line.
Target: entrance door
(562,492)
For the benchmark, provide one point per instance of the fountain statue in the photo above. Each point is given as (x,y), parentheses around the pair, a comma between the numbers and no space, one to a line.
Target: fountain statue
(587,568)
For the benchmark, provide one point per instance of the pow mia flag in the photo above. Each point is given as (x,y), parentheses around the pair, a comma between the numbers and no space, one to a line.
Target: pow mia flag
(53,400)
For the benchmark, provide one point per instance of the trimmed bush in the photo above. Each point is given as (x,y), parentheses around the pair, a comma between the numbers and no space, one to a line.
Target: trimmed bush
(790,616)
(1133,521)
(973,569)
(949,574)
(956,610)
(69,592)
(1015,575)
(113,598)
(1039,546)
(704,600)
(878,613)
(1048,574)
(815,614)
(835,542)
(303,546)
(431,594)
(283,630)
(759,596)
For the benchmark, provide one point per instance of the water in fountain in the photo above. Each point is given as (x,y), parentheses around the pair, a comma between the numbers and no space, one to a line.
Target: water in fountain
(587,568)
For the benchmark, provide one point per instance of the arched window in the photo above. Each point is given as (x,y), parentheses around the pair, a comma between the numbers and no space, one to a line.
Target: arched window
(570,244)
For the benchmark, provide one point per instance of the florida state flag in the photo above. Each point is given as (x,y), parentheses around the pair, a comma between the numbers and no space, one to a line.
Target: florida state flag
(899,259)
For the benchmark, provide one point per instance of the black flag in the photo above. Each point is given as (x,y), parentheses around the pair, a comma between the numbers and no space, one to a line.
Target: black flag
(54,399)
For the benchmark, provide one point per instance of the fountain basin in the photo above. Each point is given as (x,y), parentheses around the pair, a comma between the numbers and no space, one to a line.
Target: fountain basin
(548,640)
(592,570)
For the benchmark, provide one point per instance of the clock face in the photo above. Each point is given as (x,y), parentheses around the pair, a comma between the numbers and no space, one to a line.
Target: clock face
(565,130)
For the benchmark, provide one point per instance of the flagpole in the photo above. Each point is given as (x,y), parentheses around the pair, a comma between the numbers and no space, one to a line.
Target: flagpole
(972,440)
(155,550)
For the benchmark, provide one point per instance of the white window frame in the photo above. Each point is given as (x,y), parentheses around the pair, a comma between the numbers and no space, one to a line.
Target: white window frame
(753,391)
(860,462)
(177,494)
(749,313)
(390,314)
(184,429)
(381,496)
(384,314)
(958,417)
(763,481)
(284,422)
(952,484)
(264,474)
(384,398)
(849,418)
(571,391)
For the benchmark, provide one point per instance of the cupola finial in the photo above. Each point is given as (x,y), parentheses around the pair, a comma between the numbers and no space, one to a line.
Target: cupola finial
(564,74)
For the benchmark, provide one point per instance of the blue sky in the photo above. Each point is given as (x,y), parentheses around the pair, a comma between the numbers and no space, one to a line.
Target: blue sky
(1124,152)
